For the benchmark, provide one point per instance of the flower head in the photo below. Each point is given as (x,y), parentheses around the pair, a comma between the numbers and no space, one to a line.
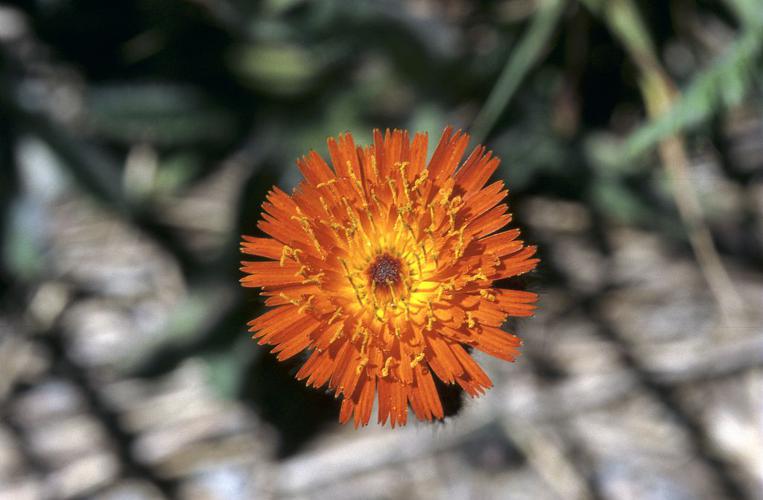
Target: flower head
(383,270)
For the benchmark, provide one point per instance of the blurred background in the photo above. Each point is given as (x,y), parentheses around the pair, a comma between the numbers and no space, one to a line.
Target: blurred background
(137,139)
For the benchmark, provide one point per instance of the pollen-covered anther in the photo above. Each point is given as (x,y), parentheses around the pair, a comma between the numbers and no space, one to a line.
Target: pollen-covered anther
(339,333)
(445,195)
(421,179)
(360,332)
(455,205)
(290,300)
(458,250)
(304,222)
(418,359)
(314,279)
(406,186)
(359,295)
(306,305)
(470,323)
(479,275)
(430,316)
(387,364)
(393,190)
(337,314)
(289,252)
(362,364)
(487,294)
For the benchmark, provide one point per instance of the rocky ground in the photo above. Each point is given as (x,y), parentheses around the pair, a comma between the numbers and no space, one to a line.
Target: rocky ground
(631,386)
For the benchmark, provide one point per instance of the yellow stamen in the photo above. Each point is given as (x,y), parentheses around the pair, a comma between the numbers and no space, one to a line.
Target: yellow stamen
(393,189)
(479,275)
(458,250)
(305,223)
(385,369)
(286,251)
(362,364)
(470,320)
(420,180)
(336,336)
(348,275)
(373,167)
(302,271)
(314,279)
(336,315)
(291,300)
(445,195)
(306,305)
(430,316)
(419,357)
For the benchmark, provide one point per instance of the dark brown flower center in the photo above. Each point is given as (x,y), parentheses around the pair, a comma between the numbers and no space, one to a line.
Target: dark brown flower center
(385,270)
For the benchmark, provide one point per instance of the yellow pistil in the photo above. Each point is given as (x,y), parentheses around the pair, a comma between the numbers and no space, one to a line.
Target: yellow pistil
(419,357)
(387,364)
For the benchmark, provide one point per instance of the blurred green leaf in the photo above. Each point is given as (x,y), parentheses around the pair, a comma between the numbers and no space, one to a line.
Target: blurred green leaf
(527,53)
(617,202)
(604,152)
(158,113)
(428,117)
(279,69)
(532,149)
(176,170)
(226,368)
(22,252)
(748,12)
(722,85)
(209,318)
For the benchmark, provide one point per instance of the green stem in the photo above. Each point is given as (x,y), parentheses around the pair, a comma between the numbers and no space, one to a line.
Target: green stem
(520,61)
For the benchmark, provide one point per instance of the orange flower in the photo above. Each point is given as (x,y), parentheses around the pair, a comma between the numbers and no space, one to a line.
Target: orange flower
(382,269)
